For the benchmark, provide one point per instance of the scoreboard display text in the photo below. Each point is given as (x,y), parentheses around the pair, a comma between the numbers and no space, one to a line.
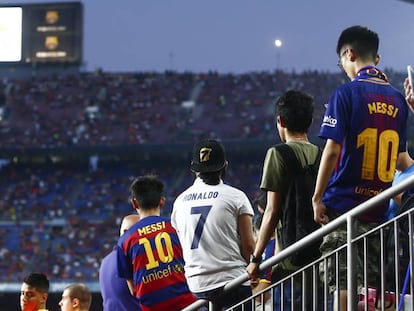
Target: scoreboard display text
(41,33)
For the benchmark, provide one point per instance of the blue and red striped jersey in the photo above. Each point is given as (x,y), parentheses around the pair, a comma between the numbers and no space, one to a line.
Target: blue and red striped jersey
(150,254)
(368,118)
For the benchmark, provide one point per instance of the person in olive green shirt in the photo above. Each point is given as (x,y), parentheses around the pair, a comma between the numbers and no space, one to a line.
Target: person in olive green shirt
(294,111)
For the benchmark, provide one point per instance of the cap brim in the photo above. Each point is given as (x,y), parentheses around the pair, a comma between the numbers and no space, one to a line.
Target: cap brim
(195,167)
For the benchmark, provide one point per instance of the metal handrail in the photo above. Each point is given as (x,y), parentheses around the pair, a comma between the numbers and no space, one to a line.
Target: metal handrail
(318,234)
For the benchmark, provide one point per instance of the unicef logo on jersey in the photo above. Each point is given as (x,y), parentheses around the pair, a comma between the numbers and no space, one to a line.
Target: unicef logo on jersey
(329,121)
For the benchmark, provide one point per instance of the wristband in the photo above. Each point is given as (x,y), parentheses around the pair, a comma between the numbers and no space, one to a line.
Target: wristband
(254,259)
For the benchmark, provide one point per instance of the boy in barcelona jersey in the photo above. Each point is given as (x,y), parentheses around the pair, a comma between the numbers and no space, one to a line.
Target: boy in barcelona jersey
(365,130)
(149,254)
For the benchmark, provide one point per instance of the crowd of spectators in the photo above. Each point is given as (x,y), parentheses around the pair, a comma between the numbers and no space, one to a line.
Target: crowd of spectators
(94,109)
(63,219)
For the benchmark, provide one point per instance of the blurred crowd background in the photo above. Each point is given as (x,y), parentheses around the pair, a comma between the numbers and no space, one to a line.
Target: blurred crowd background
(72,144)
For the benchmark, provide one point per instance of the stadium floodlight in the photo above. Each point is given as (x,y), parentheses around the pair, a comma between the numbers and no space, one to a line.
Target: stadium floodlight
(278,44)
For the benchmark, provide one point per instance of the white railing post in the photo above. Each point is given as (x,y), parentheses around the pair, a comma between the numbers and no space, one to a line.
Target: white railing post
(351,271)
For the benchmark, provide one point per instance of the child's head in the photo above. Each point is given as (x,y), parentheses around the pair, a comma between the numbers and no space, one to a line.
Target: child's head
(209,161)
(260,202)
(296,109)
(147,191)
(363,41)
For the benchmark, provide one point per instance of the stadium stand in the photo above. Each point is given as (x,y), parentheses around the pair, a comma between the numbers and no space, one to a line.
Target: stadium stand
(59,215)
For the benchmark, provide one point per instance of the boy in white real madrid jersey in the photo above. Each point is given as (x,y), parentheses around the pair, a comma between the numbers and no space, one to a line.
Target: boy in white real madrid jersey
(214,224)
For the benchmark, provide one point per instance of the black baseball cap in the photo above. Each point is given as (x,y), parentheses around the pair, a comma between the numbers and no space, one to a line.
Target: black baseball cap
(208,156)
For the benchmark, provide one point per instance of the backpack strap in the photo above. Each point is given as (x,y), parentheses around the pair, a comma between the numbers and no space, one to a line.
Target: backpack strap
(289,157)
(292,160)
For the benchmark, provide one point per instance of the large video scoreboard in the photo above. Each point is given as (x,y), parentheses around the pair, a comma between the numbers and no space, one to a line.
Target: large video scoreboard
(41,33)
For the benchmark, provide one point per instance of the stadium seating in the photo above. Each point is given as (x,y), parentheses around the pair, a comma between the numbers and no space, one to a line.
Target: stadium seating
(62,217)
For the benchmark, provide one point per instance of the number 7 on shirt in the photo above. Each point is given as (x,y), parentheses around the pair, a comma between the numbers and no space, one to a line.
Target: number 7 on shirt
(203,211)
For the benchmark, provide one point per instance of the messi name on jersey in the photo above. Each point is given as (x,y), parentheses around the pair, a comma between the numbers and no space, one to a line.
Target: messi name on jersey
(382,108)
(151,228)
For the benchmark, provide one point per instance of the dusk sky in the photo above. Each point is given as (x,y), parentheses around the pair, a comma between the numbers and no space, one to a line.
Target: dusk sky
(236,35)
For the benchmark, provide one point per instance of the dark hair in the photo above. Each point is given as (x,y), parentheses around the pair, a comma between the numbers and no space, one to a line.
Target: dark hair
(364,41)
(257,223)
(38,281)
(261,201)
(213,178)
(147,190)
(296,109)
